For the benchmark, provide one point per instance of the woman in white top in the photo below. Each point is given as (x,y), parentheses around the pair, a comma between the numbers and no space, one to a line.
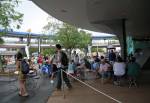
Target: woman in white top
(119,67)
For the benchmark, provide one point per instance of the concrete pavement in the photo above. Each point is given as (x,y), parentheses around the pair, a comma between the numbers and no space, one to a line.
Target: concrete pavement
(83,94)
(9,92)
(79,94)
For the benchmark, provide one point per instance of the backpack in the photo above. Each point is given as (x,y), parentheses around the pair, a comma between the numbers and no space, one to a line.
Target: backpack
(24,67)
(64,59)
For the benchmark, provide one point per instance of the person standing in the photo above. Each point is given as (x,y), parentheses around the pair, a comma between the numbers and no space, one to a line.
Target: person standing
(40,61)
(112,57)
(119,69)
(62,63)
(133,70)
(76,59)
(22,77)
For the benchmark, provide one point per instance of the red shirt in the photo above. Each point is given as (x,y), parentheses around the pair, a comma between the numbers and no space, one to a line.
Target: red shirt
(40,60)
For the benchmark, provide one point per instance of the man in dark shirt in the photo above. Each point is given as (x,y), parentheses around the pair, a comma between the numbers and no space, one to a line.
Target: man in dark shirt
(112,57)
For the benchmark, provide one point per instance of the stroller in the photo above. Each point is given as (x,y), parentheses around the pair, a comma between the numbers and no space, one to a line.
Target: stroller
(46,69)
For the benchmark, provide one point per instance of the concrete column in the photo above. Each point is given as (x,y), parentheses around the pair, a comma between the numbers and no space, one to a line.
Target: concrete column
(39,45)
(122,39)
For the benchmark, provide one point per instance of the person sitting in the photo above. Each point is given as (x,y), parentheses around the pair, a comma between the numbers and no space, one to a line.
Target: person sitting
(119,70)
(71,69)
(83,68)
(104,71)
(133,71)
(95,66)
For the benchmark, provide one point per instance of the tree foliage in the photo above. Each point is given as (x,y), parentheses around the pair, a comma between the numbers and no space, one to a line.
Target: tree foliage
(95,49)
(67,35)
(1,41)
(85,39)
(9,17)
(32,50)
(71,38)
(48,51)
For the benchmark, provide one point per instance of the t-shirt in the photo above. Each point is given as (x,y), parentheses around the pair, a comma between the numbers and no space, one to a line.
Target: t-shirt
(71,68)
(133,69)
(119,68)
(95,65)
(112,57)
(104,67)
(58,60)
(40,60)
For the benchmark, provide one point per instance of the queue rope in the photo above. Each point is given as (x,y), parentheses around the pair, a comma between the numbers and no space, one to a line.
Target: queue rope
(93,88)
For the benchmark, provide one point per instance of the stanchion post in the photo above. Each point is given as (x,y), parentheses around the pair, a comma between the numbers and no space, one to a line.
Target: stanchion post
(62,82)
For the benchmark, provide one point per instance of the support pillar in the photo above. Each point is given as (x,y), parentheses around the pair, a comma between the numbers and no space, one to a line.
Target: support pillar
(39,45)
(124,39)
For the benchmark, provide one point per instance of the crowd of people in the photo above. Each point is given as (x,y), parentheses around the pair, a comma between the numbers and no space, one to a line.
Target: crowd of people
(110,70)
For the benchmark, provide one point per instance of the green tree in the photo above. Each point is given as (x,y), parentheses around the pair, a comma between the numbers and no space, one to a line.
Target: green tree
(94,49)
(48,51)
(71,38)
(67,35)
(9,17)
(1,41)
(84,39)
(32,50)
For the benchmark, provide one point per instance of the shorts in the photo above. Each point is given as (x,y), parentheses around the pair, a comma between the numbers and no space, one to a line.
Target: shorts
(106,74)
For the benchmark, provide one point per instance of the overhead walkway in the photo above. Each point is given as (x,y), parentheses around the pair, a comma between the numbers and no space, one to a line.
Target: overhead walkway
(12,33)
(14,45)
(45,40)
(46,45)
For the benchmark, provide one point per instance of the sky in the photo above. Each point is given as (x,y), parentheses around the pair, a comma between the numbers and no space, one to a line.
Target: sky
(35,18)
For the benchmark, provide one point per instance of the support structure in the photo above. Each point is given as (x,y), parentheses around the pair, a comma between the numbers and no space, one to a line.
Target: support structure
(28,45)
(39,45)
(124,39)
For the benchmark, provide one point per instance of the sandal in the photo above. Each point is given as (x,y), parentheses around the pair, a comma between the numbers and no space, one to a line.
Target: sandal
(19,94)
(25,95)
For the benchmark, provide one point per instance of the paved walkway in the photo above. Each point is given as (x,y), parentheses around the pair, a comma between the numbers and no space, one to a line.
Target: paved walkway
(9,92)
(79,94)
(82,94)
